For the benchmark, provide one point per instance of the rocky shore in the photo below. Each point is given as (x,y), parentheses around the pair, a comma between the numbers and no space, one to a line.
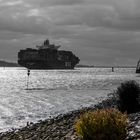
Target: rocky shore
(62,127)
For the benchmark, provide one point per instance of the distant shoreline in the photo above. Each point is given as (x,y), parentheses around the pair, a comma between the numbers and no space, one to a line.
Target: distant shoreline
(91,66)
(8,64)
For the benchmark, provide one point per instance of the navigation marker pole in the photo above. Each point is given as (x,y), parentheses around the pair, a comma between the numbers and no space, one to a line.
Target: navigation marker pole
(28,73)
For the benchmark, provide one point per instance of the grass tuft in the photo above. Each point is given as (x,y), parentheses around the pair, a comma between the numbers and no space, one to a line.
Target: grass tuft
(104,124)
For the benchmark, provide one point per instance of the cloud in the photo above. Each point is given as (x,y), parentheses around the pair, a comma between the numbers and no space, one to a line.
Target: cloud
(33,15)
(106,28)
(48,3)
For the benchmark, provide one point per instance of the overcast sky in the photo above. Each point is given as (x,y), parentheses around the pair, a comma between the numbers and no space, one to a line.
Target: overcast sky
(99,32)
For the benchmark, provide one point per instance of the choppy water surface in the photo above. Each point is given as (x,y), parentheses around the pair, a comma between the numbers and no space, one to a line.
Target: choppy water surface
(52,92)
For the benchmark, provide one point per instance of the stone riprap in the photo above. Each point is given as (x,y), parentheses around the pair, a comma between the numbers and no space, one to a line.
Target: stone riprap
(62,127)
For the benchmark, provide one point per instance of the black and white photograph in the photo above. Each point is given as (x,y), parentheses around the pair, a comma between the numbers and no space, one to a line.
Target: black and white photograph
(69,69)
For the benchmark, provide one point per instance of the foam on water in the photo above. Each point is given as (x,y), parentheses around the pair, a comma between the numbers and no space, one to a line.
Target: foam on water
(52,92)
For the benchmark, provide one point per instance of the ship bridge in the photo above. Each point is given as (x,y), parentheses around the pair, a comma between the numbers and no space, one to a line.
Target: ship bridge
(47,45)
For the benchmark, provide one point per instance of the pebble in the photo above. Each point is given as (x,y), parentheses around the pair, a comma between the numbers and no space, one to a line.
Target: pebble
(62,126)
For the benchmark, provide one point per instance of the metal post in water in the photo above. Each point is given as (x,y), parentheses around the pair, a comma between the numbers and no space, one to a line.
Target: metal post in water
(28,73)
(112,69)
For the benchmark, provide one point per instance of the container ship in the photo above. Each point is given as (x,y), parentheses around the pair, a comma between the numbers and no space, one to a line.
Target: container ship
(47,56)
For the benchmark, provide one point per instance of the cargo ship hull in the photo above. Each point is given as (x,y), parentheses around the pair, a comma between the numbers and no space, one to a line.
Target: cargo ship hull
(46,65)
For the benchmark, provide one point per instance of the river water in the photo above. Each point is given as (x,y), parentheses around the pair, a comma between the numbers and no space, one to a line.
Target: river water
(53,92)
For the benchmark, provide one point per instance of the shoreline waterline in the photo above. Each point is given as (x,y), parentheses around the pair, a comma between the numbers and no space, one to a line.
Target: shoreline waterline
(54,92)
(62,127)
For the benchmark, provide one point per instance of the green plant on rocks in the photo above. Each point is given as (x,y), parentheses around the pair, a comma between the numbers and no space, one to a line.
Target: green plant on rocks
(128,94)
(104,124)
